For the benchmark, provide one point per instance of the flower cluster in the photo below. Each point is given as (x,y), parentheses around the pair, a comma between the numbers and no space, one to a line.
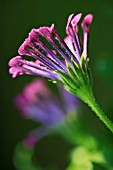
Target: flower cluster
(62,60)
(36,102)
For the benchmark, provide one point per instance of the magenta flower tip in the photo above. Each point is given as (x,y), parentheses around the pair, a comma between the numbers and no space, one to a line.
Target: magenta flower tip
(14,61)
(32,35)
(52,27)
(68,23)
(75,20)
(14,64)
(72,21)
(33,30)
(88,18)
(15,72)
(22,48)
(86,22)
(45,29)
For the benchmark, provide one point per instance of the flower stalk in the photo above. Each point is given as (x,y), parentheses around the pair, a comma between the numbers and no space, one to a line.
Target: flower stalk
(90,100)
(83,89)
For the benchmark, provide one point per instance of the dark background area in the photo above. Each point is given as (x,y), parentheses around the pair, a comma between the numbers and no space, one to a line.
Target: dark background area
(16,20)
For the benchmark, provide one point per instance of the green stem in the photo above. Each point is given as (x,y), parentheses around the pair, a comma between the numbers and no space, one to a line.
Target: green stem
(90,100)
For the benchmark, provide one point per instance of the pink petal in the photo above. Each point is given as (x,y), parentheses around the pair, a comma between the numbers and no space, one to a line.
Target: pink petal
(14,61)
(68,41)
(86,22)
(15,72)
(21,49)
(35,88)
(68,23)
(75,20)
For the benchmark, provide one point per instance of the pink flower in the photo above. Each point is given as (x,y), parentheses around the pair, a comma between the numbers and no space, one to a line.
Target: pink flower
(41,44)
(38,103)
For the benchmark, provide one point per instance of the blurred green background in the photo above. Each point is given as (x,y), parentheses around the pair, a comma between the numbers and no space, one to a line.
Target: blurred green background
(17,19)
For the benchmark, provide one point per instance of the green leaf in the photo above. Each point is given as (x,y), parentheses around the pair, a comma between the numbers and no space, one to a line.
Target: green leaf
(23,158)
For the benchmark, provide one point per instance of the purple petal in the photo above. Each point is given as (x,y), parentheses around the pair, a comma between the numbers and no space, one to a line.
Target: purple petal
(69,100)
(34,47)
(20,66)
(49,33)
(37,103)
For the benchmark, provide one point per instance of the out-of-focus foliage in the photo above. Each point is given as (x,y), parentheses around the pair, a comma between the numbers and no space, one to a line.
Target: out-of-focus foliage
(86,152)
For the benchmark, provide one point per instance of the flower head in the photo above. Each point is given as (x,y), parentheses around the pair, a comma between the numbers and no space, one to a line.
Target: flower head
(62,60)
(36,102)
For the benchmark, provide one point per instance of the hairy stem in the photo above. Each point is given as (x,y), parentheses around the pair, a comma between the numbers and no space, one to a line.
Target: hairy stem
(90,100)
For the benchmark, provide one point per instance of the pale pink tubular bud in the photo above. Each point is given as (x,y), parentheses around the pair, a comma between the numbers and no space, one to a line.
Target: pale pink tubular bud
(68,41)
(85,26)
(86,22)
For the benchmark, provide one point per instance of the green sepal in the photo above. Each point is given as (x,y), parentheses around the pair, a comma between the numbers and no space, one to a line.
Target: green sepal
(84,67)
(89,77)
(83,63)
(72,91)
(76,67)
(68,82)
(76,80)
(66,77)
(70,70)
(55,81)
(73,74)
(79,72)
